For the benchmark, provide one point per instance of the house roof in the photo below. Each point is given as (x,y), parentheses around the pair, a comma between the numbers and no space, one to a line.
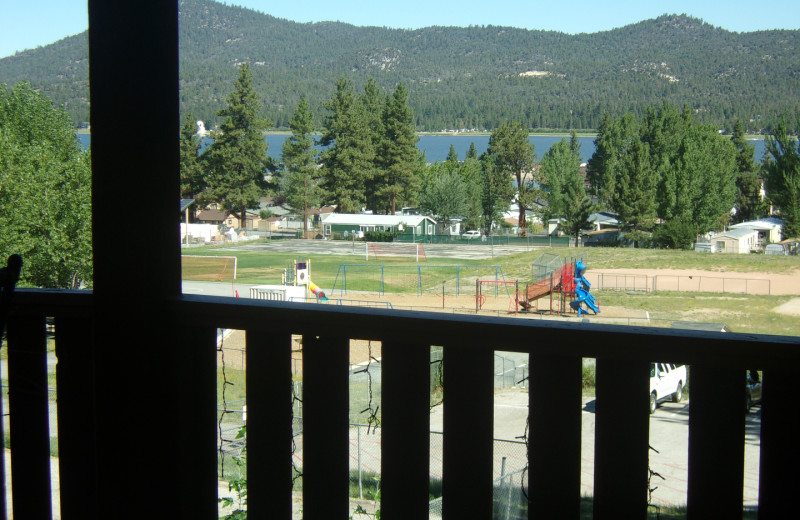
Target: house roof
(211,214)
(185,203)
(361,219)
(604,218)
(736,233)
(764,224)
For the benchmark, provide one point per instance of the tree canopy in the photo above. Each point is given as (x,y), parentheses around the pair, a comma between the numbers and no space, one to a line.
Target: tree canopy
(782,167)
(514,155)
(45,191)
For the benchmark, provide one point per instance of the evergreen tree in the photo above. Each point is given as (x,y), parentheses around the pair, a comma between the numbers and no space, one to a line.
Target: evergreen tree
(300,175)
(193,181)
(748,197)
(472,151)
(237,159)
(398,152)
(782,167)
(45,191)
(452,156)
(514,155)
(348,161)
(374,101)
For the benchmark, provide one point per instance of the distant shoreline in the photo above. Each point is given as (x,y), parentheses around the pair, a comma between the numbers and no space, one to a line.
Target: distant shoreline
(749,137)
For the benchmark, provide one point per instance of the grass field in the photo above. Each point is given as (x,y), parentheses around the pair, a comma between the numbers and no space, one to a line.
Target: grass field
(742,313)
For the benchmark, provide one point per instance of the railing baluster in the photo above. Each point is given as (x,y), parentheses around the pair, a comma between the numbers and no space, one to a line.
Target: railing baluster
(621,439)
(555,434)
(28,409)
(716,442)
(199,420)
(405,451)
(325,427)
(269,423)
(780,451)
(468,432)
(76,442)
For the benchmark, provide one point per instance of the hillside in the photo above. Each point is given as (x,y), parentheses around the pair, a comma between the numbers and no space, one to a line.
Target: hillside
(473,77)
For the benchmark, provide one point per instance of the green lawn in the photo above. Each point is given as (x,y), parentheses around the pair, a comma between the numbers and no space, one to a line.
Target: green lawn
(742,313)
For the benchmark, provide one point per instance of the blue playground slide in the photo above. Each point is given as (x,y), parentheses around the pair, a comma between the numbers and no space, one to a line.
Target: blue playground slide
(582,294)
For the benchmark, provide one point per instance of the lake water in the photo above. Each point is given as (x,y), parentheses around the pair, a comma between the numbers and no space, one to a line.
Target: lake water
(436,147)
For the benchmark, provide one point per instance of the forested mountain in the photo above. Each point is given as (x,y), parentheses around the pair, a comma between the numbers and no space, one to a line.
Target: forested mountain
(475,77)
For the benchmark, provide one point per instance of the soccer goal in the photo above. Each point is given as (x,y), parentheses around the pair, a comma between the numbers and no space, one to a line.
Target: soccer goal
(384,249)
(208,268)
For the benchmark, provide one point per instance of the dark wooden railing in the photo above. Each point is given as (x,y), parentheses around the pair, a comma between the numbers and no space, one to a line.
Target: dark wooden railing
(716,427)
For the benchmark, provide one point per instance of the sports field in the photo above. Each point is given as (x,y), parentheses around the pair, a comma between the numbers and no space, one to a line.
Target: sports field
(744,306)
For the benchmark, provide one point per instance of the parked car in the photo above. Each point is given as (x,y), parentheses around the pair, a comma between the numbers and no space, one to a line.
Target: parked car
(471,234)
(666,382)
(753,390)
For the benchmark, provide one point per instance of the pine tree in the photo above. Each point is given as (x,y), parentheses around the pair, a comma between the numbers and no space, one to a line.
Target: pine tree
(237,160)
(452,156)
(374,101)
(398,152)
(300,175)
(472,152)
(193,182)
(348,160)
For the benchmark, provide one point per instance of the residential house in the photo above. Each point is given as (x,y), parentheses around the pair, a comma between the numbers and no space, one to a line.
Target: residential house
(741,240)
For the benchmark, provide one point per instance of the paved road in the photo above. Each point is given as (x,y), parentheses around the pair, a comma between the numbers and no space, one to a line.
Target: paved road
(669,434)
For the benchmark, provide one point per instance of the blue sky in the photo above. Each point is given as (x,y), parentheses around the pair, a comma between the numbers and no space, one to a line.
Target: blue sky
(26,24)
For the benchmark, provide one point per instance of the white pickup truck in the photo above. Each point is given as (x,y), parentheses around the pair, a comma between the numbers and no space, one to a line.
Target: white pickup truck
(666,382)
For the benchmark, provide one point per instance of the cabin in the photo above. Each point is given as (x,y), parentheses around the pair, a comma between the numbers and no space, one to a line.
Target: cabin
(739,240)
(136,342)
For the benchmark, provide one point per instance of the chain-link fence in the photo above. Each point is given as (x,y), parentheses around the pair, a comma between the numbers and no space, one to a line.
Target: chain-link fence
(413,279)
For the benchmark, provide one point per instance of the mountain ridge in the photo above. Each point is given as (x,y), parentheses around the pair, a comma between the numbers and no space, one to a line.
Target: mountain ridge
(460,77)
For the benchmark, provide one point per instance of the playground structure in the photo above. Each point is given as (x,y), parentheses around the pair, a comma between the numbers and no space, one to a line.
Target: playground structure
(296,286)
(565,287)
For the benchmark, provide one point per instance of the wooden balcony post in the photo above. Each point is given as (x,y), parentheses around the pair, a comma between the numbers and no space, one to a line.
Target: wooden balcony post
(622,429)
(29,412)
(468,432)
(405,450)
(133,76)
(326,404)
(269,423)
(716,442)
(555,437)
(780,450)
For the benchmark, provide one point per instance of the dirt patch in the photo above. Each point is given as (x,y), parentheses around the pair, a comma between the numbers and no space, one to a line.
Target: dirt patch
(792,307)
